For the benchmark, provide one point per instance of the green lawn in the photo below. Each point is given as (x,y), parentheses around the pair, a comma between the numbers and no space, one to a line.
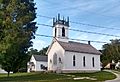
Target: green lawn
(52,77)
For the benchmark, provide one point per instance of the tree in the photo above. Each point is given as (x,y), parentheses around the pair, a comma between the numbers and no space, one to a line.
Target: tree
(16,31)
(43,51)
(36,52)
(111,51)
(33,52)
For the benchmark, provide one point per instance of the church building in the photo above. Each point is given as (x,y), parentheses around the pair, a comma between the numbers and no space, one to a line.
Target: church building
(67,56)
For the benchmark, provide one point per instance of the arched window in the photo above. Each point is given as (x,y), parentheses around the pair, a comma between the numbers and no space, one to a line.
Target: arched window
(63,32)
(74,60)
(84,61)
(93,62)
(55,59)
(50,61)
(55,32)
(60,61)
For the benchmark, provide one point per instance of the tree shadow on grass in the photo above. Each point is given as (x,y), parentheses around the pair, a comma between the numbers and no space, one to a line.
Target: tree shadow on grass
(31,77)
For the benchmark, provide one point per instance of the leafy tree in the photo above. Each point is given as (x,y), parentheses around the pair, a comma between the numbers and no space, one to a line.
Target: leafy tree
(36,52)
(16,31)
(33,52)
(111,51)
(43,51)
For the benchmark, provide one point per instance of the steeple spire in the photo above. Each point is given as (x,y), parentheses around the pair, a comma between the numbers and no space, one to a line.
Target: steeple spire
(57,20)
(58,16)
(60,28)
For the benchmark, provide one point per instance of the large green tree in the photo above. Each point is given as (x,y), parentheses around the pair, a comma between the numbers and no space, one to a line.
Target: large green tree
(111,51)
(36,52)
(16,31)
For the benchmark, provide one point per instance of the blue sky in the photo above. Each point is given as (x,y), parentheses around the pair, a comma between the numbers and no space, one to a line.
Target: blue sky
(96,12)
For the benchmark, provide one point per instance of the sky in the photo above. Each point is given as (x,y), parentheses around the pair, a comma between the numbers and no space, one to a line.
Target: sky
(105,13)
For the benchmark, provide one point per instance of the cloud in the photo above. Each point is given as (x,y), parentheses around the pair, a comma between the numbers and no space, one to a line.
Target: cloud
(39,44)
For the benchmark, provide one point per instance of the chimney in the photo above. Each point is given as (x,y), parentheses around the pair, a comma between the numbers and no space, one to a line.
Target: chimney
(89,42)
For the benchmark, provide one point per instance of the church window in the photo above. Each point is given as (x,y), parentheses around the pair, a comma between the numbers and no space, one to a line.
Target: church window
(93,62)
(60,61)
(50,61)
(55,32)
(41,66)
(55,59)
(84,61)
(63,32)
(74,60)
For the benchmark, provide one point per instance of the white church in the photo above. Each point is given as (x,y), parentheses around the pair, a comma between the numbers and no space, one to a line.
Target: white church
(66,56)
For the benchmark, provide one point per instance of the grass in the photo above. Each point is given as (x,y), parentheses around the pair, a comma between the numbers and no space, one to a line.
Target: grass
(52,77)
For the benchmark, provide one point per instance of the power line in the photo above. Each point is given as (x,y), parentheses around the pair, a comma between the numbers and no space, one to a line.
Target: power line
(44,25)
(93,32)
(71,38)
(76,7)
(45,16)
(83,31)
(43,35)
(94,25)
(85,24)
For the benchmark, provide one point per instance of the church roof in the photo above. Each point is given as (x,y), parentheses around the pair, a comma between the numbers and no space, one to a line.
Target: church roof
(41,58)
(79,47)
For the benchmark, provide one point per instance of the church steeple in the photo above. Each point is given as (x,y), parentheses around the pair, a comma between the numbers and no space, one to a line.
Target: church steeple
(60,28)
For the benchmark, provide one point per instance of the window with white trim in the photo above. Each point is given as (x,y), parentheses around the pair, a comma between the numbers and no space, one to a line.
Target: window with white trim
(84,61)
(74,60)
(93,61)
(55,32)
(63,32)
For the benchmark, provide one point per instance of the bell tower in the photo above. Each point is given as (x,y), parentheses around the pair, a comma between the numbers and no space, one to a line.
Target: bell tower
(60,28)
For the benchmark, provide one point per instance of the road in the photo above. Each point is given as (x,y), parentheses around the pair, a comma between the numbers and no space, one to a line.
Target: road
(117,74)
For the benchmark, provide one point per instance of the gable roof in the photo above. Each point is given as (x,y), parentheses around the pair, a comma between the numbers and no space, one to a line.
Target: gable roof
(79,47)
(40,58)
(54,40)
